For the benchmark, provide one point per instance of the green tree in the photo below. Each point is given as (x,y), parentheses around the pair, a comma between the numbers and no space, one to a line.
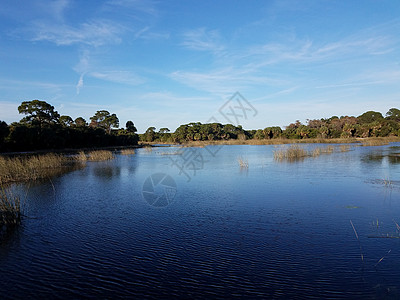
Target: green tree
(80,122)
(38,113)
(66,121)
(105,120)
(150,134)
(393,114)
(369,117)
(130,127)
(4,131)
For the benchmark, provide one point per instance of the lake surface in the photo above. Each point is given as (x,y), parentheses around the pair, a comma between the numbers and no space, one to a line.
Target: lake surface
(211,229)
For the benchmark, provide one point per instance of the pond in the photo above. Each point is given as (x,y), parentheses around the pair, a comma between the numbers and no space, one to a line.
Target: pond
(191,223)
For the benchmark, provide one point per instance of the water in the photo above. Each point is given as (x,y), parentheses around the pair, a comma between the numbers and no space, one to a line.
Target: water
(275,230)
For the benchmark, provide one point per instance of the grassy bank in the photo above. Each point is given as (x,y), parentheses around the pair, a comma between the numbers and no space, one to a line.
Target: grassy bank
(35,167)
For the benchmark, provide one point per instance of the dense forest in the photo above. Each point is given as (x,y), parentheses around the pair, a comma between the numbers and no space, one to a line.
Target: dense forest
(369,124)
(43,128)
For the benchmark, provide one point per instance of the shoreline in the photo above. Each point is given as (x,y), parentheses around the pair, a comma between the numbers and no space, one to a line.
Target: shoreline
(371,141)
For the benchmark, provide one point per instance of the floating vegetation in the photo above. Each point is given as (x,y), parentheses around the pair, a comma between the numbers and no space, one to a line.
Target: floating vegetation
(127,151)
(100,155)
(243,163)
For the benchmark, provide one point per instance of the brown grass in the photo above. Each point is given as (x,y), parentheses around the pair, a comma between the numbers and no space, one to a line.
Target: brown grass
(243,163)
(100,155)
(10,210)
(293,153)
(31,168)
(127,151)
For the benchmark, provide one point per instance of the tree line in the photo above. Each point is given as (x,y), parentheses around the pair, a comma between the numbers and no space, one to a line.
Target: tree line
(369,124)
(43,127)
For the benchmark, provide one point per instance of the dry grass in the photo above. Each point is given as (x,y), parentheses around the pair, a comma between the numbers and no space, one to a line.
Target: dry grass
(344,148)
(148,149)
(127,151)
(81,156)
(243,163)
(31,168)
(100,155)
(10,210)
(293,153)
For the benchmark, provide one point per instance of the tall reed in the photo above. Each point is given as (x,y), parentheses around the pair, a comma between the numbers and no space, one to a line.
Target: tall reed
(243,163)
(30,168)
(294,152)
(127,151)
(10,210)
(100,155)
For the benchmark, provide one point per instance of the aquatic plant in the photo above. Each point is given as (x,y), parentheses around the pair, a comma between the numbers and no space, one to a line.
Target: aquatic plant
(127,151)
(27,168)
(10,210)
(294,152)
(243,163)
(81,156)
(100,155)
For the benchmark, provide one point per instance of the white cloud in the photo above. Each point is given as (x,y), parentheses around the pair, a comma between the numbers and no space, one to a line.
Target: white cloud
(94,33)
(124,77)
(203,40)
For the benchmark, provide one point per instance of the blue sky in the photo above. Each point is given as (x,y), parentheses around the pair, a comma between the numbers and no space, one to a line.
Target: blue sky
(166,63)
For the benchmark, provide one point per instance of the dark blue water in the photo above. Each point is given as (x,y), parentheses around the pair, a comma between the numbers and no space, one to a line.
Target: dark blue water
(274,230)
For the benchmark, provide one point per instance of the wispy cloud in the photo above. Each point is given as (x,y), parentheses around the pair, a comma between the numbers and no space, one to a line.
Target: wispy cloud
(123,77)
(94,33)
(203,40)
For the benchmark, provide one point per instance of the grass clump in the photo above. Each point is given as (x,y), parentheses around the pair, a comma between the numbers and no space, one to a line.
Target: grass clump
(100,155)
(16,169)
(81,157)
(127,151)
(293,153)
(375,142)
(243,163)
(10,210)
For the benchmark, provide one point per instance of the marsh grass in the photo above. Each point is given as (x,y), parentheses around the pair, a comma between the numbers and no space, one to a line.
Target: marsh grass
(100,155)
(81,156)
(18,169)
(10,210)
(296,152)
(243,163)
(375,142)
(127,151)
(293,153)
(148,149)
